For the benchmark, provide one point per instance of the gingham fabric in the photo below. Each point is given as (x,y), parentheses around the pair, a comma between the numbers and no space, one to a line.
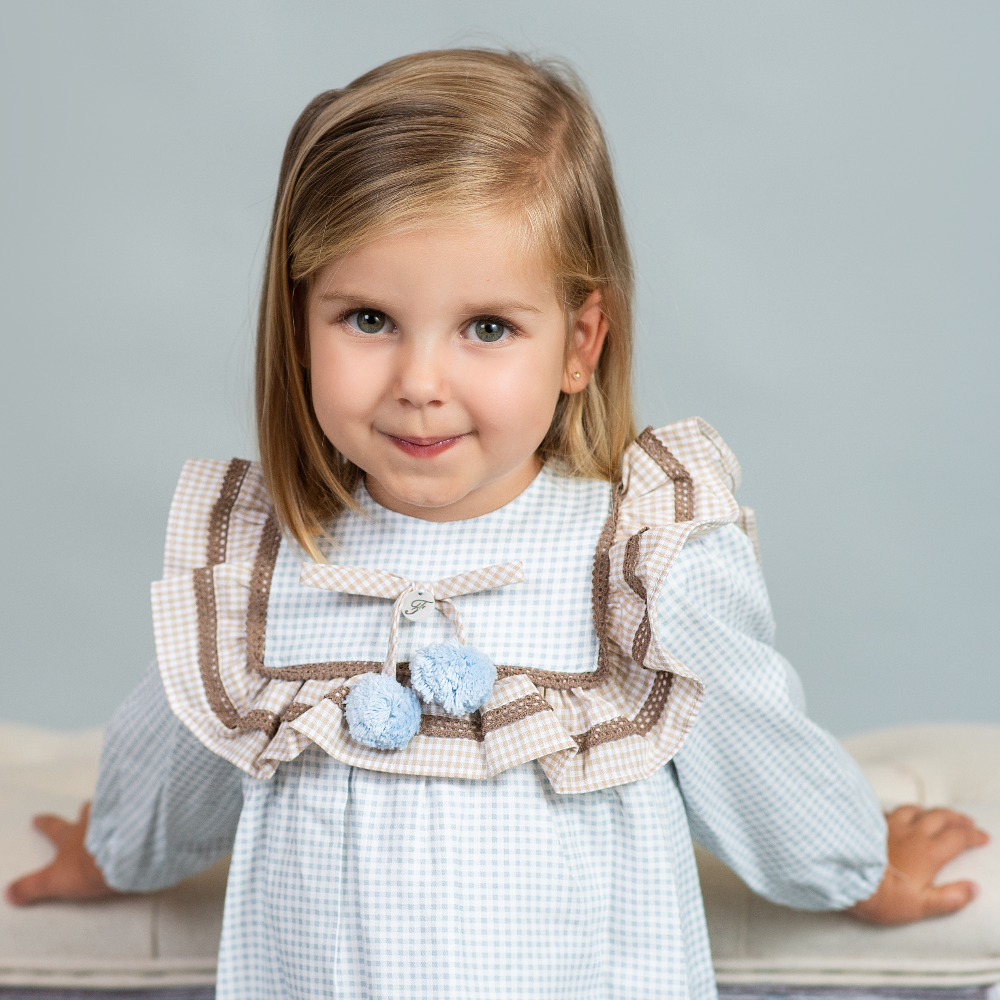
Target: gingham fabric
(165,807)
(363,581)
(620,727)
(445,888)
(550,611)
(360,883)
(355,883)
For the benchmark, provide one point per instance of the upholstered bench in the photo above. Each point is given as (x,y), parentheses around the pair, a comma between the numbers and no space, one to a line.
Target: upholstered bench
(754,941)
(164,939)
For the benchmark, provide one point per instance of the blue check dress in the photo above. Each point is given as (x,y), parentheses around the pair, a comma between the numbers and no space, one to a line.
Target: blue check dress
(358,883)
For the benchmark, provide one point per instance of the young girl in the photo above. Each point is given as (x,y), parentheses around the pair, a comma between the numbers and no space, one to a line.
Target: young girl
(484,659)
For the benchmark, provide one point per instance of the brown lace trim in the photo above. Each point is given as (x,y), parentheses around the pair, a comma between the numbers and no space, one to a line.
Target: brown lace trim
(222,509)
(442,725)
(620,728)
(204,592)
(606,732)
(208,657)
(267,722)
(339,696)
(514,711)
(430,725)
(641,639)
(562,681)
(260,593)
(351,668)
(654,705)
(600,577)
(322,671)
(294,710)
(522,708)
(640,642)
(629,563)
(678,475)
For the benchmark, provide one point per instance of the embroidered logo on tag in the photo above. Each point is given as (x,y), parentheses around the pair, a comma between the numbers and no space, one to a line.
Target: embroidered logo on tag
(417,605)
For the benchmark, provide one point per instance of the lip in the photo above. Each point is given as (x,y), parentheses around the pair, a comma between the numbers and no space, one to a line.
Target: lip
(421,447)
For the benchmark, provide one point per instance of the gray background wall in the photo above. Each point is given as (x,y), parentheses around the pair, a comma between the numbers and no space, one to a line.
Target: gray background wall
(813,200)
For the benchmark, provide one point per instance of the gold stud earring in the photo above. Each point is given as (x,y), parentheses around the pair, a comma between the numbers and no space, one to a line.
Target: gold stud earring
(576,374)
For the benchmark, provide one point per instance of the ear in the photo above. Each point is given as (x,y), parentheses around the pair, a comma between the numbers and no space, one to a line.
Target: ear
(589,330)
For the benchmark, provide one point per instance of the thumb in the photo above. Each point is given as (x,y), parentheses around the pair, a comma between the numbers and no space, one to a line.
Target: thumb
(941,899)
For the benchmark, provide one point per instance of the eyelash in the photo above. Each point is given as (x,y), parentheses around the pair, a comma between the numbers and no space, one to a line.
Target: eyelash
(351,314)
(512,331)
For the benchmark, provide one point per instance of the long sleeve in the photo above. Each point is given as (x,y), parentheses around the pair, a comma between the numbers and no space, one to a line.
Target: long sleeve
(165,807)
(766,790)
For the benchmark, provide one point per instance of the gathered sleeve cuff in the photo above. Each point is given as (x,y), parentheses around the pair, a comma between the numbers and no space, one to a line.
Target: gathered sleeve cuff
(165,807)
(767,791)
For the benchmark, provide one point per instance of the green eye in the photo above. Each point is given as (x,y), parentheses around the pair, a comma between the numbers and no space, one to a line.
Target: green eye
(368,321)
(489,331)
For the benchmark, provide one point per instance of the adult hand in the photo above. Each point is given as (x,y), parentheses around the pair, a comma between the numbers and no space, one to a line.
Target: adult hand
(72,875)
(921,842)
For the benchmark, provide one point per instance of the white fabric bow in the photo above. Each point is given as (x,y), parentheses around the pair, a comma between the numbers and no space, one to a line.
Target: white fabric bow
(367,582)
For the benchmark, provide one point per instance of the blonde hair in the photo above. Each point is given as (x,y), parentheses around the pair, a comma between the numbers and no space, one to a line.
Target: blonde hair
(429,136)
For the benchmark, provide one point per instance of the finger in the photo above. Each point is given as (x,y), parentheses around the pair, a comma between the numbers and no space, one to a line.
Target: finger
(924,856)
(904,815)
(54,828)
(952,841)
(31,888)
(941,899)
(935,820)
(973,836)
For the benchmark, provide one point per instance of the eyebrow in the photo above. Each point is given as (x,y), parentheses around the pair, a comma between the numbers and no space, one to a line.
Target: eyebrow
(484,308)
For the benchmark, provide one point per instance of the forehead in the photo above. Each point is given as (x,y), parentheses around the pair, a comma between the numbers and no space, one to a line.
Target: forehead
(481,255)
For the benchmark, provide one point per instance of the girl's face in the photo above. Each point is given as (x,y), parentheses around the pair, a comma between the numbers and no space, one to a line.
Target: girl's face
(437,358)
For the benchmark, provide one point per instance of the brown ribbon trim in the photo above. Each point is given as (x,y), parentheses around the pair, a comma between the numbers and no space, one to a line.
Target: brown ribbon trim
(653,706)
(606,732)
(514,711)
(678,475)
(441,725)
(222,509)
(643,634)
(601,574)
(208,657)
(204,592)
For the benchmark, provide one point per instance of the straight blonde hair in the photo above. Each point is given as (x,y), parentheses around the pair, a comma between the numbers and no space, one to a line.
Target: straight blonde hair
(432,136)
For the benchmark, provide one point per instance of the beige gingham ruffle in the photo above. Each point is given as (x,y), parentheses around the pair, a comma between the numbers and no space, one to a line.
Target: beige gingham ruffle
(593,730)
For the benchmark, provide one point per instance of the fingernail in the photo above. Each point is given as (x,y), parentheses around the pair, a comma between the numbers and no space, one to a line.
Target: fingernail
(975,889)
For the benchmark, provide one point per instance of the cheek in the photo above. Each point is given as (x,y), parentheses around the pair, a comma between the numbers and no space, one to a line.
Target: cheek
(522,397)
(336,395)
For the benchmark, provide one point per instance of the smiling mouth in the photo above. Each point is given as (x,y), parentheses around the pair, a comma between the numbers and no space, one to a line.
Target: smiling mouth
(420,447)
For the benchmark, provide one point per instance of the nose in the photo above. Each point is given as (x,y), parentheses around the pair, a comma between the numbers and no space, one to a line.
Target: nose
(421,378)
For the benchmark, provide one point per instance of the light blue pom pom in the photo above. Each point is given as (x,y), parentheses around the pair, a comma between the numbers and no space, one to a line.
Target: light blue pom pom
(458,678)
(381,713)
